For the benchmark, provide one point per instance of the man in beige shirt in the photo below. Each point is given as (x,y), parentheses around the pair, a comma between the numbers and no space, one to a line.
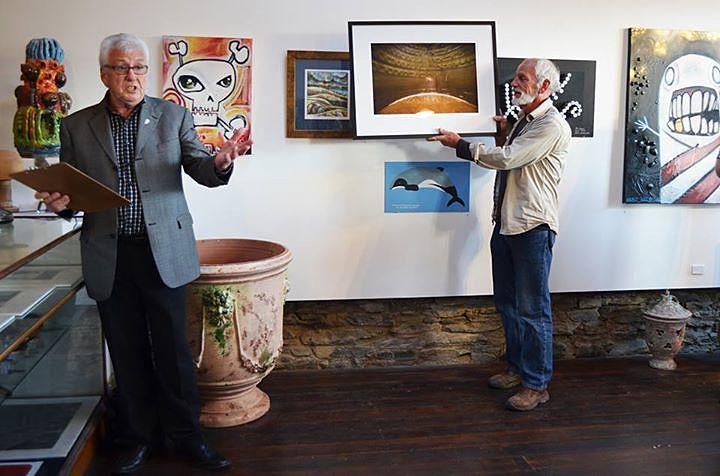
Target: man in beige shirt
(529,164)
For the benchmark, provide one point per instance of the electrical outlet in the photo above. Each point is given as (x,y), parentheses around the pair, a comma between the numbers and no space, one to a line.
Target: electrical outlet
(697,269)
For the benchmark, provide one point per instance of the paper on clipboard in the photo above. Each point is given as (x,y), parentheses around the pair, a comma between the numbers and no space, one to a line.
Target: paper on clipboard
(86,193)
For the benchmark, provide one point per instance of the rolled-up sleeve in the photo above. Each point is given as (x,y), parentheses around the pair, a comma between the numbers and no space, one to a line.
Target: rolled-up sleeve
(532,145)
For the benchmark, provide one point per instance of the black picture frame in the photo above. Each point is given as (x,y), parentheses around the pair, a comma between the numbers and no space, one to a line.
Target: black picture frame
(411,78)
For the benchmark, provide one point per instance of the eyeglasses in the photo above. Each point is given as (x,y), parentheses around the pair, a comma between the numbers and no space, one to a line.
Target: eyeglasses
(124,69)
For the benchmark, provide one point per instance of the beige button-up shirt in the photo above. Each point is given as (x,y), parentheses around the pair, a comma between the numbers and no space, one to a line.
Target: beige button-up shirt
(535,160)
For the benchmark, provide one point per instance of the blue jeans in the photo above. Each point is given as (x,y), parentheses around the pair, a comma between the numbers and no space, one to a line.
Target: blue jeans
(521,267)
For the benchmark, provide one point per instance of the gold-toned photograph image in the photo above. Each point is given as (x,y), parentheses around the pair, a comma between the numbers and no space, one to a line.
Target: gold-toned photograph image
(416,78)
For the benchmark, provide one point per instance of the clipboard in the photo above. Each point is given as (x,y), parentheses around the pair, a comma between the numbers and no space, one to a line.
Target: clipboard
(86,193)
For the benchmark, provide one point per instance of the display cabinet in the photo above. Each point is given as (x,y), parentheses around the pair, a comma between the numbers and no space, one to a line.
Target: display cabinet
(51,351)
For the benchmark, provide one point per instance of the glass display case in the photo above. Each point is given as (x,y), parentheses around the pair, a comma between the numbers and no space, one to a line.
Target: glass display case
(52,371)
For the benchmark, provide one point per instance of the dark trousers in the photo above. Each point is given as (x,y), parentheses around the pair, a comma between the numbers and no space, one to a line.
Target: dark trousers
(521,268)
(144,325)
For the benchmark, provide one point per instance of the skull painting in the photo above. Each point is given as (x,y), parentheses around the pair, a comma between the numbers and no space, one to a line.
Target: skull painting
(205,84)
(210,77)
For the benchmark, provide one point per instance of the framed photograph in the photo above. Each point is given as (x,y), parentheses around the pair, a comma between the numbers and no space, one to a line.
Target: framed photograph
(318,87)
(411,78)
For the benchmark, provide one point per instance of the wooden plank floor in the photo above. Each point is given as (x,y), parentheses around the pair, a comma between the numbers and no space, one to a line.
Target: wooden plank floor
(605,417)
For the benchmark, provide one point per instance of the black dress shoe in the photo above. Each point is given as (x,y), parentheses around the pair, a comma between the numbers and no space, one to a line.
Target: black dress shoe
(205,457)
(132,460)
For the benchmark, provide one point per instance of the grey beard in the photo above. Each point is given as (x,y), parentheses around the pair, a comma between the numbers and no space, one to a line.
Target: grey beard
(524,99)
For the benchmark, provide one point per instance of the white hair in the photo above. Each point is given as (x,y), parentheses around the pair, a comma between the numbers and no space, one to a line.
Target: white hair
(546,69)
(123,42)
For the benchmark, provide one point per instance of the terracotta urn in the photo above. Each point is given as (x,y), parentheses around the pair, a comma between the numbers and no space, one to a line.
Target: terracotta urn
(235,317)
(665,330)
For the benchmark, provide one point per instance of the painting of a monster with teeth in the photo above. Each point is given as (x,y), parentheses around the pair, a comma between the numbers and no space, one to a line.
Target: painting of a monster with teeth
(672,136)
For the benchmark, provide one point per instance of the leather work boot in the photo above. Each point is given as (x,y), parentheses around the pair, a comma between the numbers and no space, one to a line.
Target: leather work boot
(527,399)
(505,380)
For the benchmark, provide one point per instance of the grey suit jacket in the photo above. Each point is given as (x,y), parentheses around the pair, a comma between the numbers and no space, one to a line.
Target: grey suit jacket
(166,142)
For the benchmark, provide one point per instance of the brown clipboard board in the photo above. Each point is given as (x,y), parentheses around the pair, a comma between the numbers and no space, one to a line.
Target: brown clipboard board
(86,193)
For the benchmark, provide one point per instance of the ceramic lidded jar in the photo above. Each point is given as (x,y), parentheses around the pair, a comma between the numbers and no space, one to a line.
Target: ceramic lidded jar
(665,331)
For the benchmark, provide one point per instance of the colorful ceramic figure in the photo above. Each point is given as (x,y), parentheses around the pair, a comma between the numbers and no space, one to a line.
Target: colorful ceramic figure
(41,105)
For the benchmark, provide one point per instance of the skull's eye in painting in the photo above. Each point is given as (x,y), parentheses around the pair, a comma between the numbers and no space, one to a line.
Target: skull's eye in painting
(189,83)
(226,82)
(670,76)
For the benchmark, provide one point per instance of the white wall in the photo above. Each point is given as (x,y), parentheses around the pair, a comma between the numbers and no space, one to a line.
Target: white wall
(324,198)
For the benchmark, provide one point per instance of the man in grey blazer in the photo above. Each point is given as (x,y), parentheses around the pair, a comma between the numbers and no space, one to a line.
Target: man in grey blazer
(137,260)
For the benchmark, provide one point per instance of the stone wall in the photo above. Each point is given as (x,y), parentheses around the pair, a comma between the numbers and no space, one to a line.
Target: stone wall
(447,331)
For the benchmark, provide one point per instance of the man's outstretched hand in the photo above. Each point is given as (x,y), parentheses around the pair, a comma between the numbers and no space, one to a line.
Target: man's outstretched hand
(233,148)
(446,138)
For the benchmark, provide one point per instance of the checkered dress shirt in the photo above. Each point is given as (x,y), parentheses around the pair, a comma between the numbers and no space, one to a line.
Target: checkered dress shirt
(124,133)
